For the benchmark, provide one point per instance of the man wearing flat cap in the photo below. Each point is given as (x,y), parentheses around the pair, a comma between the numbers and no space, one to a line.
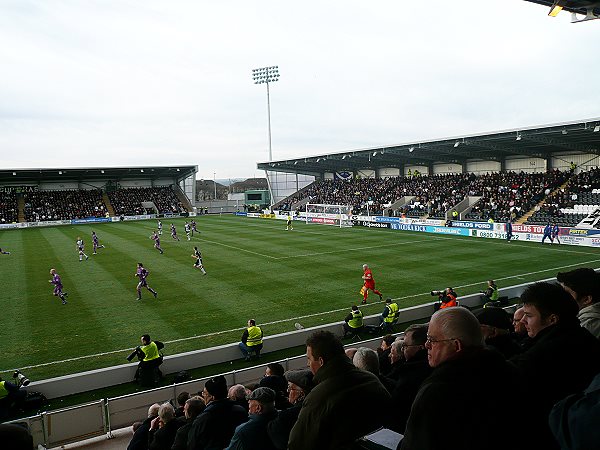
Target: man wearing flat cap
(252,435)
(299,384)
(496,328)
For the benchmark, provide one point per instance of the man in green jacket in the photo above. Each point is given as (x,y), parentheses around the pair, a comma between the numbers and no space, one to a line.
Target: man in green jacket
(346,403)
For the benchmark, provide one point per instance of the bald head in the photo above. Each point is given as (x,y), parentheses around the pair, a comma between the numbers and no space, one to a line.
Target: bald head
(461,324)
(452,331)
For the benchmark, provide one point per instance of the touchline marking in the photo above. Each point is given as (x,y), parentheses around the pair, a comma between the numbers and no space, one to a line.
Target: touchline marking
(297,318)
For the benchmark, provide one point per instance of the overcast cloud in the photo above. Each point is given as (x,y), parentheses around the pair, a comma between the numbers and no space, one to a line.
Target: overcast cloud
(120,83)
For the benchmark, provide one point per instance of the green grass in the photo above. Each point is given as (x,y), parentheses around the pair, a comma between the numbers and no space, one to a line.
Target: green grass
(311,275)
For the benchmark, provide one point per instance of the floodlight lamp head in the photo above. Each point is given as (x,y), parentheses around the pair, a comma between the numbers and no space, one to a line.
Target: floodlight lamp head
(597,128)
(519,137)
(411,149)
(456,144)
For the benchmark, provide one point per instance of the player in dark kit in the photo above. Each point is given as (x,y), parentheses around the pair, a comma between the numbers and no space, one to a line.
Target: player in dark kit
(156,238)
(95,243)
(58,287)
(3,252)
(194,229)
(555,233)
(142,274)
(198,264)
(174,233)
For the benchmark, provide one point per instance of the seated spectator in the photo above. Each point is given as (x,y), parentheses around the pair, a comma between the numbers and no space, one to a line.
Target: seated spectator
(562,359)
(496,328)
(214,427)
(253,435)
(384,353)
(367,359)
(300,383)
(181,399)
(191,409)
(396,358)
(584,286)
(574,420)
(350,352)
(409,376)
(237,394)
(467,401)
(139,441)
(332,404)
(279,386)
(15,437)
(163,428)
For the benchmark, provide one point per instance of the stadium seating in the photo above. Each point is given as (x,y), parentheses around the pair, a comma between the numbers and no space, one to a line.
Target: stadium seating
(8,207)
(63,205)
(129,201)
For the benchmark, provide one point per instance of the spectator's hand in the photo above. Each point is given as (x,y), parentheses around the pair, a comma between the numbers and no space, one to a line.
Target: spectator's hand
(155,424)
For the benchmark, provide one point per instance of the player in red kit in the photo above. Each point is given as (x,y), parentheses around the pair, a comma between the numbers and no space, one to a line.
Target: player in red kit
(369,284)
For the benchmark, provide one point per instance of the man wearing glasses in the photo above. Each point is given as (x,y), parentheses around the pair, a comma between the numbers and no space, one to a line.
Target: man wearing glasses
(409,376)
(466,403)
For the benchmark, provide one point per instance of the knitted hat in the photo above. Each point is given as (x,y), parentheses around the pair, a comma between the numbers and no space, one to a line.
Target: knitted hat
(217,386)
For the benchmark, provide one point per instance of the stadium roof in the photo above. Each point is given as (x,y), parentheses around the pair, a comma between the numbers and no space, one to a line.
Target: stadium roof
(532,142)
(585,7)
(16,176)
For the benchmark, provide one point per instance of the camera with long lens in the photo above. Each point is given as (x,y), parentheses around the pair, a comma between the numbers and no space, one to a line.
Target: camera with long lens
(136,352)
(438,293)
(20,379)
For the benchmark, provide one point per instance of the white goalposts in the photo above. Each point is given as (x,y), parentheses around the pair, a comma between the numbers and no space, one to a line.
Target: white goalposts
(325,214)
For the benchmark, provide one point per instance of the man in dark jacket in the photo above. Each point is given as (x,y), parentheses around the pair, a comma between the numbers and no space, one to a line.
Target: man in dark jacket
(466,403)
(139,441)
(409,376)
(191,409)
(333,414)
(214,428)
(163,428)
(300,383)
(562,359)
(496,328)
(252,435)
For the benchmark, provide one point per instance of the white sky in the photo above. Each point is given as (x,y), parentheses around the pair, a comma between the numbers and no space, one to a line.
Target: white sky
(86,83)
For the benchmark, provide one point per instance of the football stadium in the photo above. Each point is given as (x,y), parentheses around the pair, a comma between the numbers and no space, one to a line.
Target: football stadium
(145,307)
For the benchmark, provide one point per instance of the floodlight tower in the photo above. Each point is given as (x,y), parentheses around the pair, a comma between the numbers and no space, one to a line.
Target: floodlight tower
(266,75)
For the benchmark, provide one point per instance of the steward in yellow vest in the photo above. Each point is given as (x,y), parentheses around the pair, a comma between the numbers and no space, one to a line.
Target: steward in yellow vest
(251,341)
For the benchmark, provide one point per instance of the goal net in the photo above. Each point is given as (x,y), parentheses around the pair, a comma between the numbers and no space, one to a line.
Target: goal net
(323,214)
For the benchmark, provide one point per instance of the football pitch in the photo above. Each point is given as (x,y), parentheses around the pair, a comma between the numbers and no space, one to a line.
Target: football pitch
(256,269)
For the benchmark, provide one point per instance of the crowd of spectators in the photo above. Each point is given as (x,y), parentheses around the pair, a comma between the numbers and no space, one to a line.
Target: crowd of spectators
(503,195)
(128,201)
(468,380)
(9,210)
(561,205)
(63,205)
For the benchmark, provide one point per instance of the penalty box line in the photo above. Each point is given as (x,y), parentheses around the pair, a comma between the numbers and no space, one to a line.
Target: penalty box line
(306,316)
